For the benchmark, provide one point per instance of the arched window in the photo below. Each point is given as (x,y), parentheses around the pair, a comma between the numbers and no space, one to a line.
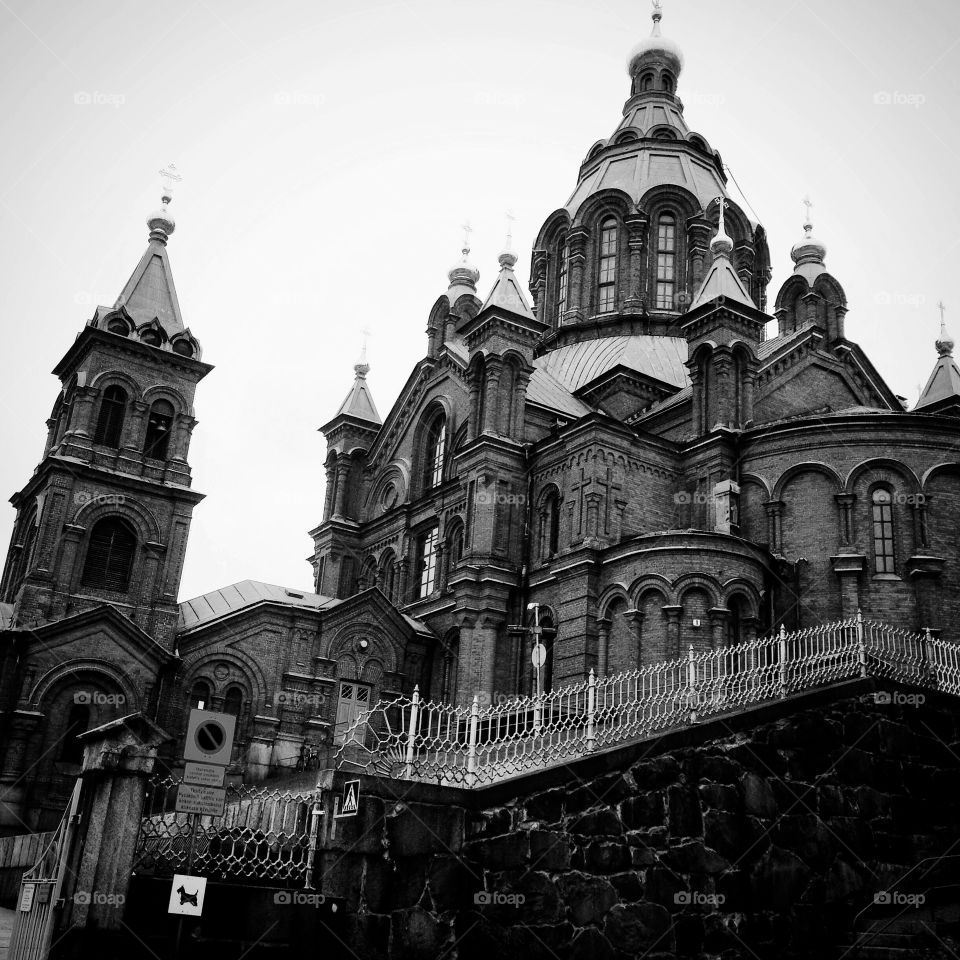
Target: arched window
(426,581)
(667,81)
(434,452)
(646,81)
(607,267)
(386,574)
(110,554)
(564,254)
(455,545)
(119,326)
(233,702)
(150,337)
(550,525)
(26,540)
(666,260)
(200,695)
(159,424)
(113,407)
(883,530)
(71,749)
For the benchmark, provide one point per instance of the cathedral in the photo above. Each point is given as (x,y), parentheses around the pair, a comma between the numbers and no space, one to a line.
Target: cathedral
(642,454)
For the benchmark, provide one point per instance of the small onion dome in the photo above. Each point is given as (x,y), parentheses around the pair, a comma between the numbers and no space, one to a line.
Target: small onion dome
(161,223)
(944,343)
(809,249)
(464,272)
(653,47)
(507,259)
(721,244)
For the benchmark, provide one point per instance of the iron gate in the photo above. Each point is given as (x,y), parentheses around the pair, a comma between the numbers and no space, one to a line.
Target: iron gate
(39,904)
(264,834)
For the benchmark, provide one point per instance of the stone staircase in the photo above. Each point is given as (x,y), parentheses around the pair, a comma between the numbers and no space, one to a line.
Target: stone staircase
(910,937)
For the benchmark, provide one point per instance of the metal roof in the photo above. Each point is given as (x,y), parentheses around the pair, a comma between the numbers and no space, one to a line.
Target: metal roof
(944,383)
(575,365)
(220,603)
(546,391)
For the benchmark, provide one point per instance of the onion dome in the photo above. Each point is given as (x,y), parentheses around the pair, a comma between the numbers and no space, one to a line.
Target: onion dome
(721,244)
(944,341)
(809,249)
(161,222)
(464,273)
(656,48)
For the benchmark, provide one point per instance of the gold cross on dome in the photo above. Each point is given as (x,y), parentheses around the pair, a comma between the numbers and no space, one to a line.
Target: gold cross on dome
(467,230)
(942,308)
(511,219)
(808,203)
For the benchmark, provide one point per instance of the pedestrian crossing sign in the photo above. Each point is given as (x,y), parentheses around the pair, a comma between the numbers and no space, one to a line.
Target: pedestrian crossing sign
(350,800)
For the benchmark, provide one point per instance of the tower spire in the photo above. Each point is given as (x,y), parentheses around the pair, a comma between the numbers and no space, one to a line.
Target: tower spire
(944,341)
(508,257)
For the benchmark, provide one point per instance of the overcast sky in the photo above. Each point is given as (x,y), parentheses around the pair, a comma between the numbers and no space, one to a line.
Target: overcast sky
(330,152)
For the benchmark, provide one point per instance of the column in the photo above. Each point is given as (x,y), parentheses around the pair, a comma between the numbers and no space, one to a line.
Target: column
(603,646)
(723,364)
(635,619)
(343,478)
(719,617)
(577,300)
(673,614)
(636,231)
(491,406)
(699,232)
(845,502)
(538,285)
(774,509)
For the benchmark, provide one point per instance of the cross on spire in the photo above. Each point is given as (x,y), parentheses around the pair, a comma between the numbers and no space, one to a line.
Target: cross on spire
(722,203)
(511,219)
(170,176)
(657,9)
(942,308)
(467,230)
(808,203)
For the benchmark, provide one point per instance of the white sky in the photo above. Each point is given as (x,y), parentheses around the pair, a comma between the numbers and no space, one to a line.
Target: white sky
(330,152)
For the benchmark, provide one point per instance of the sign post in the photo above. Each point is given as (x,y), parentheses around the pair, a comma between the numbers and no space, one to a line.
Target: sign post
(538,657)
(206,754)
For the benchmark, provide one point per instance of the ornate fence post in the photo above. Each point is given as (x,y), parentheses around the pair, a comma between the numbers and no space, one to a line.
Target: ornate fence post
(692,683)
(591,711)
(930,659)
(472,747)
(861,645)
(784,673)
(412,732)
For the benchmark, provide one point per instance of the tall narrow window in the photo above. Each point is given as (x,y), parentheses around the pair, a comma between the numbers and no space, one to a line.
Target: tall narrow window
(434,452)
(113,406)
(200,695)
(109,560)
(427,563)
(607,272)
(666,260)
(71,749)
(158,430)
(883,530)
(564,252)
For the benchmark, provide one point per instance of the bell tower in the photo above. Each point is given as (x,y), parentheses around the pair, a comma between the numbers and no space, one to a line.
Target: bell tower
(105,517)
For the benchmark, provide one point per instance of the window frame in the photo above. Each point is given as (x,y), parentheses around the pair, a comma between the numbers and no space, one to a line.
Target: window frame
(607,263)
(882,521)
(156,445)
(103,579)
(111,417)
(425,583)
(666,261)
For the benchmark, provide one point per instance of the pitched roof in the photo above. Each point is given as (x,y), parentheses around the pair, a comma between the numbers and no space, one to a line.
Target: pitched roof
(577,364)
(944,383)
(359,402)
(547,391)
(507,293)
(721,281)
(220,603)
(150,291)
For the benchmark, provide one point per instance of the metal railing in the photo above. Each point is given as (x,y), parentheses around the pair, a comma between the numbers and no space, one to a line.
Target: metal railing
(264,833)
(470,746)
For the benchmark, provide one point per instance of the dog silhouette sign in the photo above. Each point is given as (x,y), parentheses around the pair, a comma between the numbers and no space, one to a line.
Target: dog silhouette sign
(186,895)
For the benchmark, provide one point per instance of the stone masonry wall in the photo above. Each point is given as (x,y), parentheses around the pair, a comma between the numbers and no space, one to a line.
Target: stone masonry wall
(760,835)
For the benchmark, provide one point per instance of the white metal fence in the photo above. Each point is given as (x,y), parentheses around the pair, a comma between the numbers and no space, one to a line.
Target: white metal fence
(469,746)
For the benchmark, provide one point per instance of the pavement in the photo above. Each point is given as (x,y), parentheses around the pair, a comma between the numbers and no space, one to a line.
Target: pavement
(6,926)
